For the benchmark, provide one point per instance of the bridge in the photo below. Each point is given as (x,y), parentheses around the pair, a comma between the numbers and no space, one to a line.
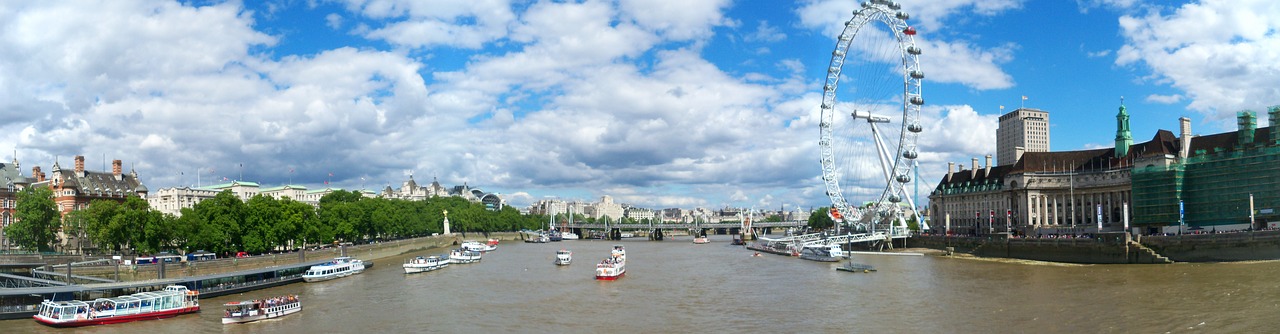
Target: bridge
(669,226)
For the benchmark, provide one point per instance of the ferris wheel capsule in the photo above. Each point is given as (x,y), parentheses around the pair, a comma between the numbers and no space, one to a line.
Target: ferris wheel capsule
(909,31)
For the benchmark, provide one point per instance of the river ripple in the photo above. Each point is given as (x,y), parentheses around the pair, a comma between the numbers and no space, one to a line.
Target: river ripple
(675,286)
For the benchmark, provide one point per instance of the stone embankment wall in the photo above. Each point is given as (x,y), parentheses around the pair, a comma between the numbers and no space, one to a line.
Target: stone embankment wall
(379,253)
(1111,248)
(1215,247)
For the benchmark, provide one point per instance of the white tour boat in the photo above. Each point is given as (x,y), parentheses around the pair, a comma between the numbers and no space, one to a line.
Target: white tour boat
(563,257)
(464,256)
(254,310)
(173,301)
(613,267)
(425,264)
(477,246)
(701,239)
(567,235)
(339,267)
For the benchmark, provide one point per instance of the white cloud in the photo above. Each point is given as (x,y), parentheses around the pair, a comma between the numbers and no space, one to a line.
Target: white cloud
(456,23)
(765,33)
(676,20)
(944,61)
(1221,54)
(333,20)
(1164,99)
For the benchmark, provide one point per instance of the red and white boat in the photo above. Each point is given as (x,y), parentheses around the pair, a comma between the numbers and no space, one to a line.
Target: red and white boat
(613,267)
(175,300)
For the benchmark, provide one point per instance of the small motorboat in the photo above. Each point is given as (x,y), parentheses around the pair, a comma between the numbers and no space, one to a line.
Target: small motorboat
(564,257)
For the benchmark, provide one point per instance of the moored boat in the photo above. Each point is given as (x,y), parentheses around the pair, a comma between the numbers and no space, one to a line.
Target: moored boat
(173,301)
(822,253)
(340,267)
(701,239)
(477,246)
(613,267)
(567,235)
(254,310)
(564,257)
(464,256)
(425,264)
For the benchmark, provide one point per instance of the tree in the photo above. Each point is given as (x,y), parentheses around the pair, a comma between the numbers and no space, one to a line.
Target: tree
(37,220)
(819,220)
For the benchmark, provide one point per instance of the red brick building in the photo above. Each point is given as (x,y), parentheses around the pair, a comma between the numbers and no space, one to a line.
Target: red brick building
(74,189)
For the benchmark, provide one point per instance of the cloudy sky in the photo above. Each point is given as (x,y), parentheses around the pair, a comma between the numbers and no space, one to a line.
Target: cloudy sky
(657,103)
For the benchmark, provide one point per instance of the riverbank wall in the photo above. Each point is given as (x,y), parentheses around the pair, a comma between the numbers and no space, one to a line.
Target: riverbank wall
(1114,248)
(1217,247)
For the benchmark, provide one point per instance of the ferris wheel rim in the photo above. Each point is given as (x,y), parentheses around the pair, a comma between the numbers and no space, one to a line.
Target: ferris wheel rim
(905,148)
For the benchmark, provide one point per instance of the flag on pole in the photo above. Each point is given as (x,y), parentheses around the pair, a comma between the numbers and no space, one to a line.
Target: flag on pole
(1024,97)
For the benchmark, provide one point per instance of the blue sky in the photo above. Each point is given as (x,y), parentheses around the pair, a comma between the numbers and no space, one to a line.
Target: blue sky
(657,103)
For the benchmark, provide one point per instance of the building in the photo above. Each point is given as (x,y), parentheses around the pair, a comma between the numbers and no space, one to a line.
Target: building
(13,183)
(74,189)
(1225,181)
(1022,130)
(1169,184)
(1046,192)
(606,208)
(173,200)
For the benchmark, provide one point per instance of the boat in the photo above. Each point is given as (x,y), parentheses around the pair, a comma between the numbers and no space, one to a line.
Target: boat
(702,239)
(477,246)
(563,257)
(554,236)
(568,235)
(613,267)
(820,254)
(424,264)
(737,240)
(856,268)
(492,242)
(253,310)
(173,301)
(340,267)
(464,256)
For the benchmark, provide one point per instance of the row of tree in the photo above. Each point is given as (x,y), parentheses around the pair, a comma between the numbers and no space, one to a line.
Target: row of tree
(226,224)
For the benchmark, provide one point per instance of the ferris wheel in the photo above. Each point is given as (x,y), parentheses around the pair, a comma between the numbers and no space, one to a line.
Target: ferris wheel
(868,142)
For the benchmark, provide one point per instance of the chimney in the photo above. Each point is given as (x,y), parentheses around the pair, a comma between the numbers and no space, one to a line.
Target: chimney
(988,164)
(951,168)
(79,165)
(1184,141)
(35,173)
(974,172)
(117,168)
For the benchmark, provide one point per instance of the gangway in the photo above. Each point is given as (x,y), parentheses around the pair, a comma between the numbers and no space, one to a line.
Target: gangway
(51,274)
(16,281)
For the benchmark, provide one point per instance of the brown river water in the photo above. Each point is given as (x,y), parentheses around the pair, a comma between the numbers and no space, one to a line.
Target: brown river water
(675,286)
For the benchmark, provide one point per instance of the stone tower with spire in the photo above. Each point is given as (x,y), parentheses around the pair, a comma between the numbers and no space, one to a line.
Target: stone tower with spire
(1123,138)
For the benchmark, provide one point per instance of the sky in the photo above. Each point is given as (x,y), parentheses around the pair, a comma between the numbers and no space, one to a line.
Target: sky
(657,103)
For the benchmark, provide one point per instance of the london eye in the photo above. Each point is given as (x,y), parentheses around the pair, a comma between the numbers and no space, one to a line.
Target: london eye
(871,118)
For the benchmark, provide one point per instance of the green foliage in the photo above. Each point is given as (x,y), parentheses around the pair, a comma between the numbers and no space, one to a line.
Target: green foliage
(37,220)
(225,224)
(819,220)
(773,218)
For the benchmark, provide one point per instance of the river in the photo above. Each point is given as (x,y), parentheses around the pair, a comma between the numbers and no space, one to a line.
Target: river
(675,286)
